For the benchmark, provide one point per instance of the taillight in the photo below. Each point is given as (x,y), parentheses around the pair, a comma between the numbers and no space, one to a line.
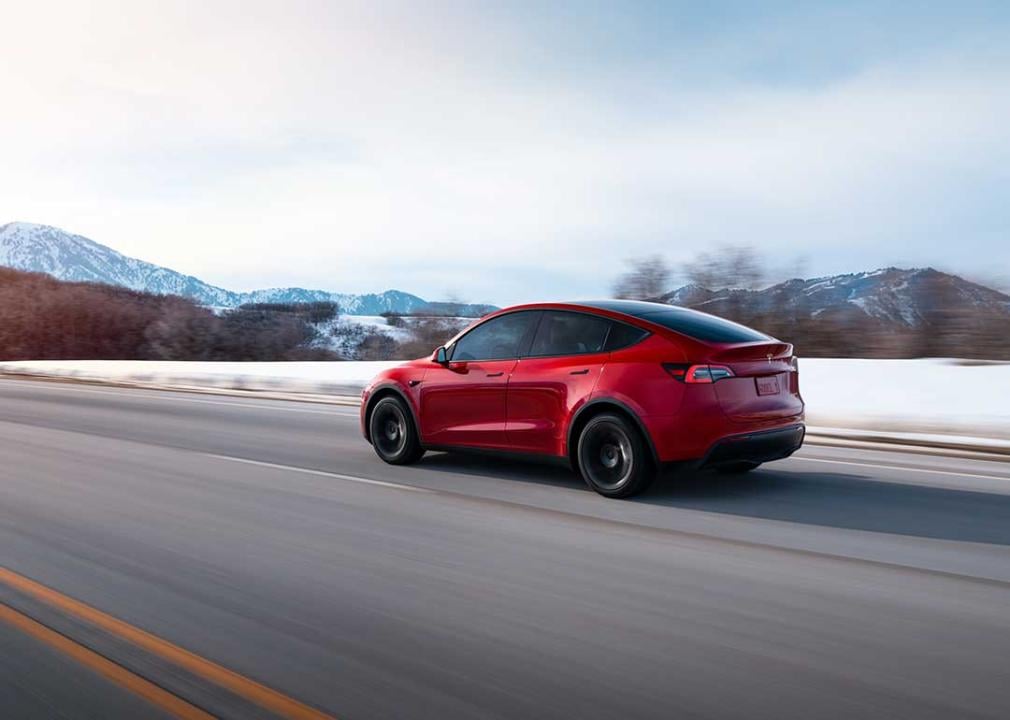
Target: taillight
(794,375)
(697,374)
(707,373)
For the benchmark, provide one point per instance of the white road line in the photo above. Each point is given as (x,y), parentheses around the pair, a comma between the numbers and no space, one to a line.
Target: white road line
(903,468)
(321,473)
(166,395)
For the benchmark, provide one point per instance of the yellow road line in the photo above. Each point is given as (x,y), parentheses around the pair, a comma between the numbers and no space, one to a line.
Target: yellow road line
(251,690)
(150,692)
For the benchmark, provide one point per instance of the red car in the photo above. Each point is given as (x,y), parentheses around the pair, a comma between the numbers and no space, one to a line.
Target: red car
(616,388)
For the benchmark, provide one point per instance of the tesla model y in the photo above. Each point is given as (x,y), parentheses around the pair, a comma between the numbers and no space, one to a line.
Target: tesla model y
(616,388)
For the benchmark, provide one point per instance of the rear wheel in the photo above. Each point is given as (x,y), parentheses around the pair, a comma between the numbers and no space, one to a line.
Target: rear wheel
(613,458)
(391,429)
(738,468)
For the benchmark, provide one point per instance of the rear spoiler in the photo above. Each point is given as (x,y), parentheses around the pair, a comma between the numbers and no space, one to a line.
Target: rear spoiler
(761,350)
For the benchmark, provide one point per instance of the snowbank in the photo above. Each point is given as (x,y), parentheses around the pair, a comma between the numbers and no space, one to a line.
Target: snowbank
(315,378)
(923,396)
(931,396)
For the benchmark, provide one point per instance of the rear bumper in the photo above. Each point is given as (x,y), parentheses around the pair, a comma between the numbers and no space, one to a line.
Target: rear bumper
(757,447)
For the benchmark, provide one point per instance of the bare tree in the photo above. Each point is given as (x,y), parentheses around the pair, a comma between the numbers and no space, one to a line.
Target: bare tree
(427,333)
(646,279)
(376,346)
(394,319)
(737,266)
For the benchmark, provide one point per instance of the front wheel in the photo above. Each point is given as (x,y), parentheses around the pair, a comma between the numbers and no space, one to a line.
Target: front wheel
(613,458)
(391,429)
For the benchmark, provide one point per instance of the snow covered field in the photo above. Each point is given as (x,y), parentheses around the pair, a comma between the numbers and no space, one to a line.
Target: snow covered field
(923,396)
(940,396)
(343,333)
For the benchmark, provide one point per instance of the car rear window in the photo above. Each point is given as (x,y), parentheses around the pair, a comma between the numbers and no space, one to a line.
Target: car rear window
(702,326)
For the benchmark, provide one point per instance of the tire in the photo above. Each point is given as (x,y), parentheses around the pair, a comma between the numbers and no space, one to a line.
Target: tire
(738,468)
(613,458)
(391,429)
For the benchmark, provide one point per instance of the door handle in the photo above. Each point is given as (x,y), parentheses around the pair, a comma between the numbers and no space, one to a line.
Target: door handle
(497,374)
(584,371)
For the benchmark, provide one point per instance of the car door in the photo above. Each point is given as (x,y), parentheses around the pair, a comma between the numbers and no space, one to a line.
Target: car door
(553,379)
(462,402)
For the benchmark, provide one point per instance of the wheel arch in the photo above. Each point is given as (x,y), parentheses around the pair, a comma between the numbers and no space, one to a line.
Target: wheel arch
(601,405)
(383,391)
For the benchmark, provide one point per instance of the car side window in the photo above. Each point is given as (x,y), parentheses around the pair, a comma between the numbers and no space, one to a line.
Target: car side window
(569,333)
(496,339)
(622,336)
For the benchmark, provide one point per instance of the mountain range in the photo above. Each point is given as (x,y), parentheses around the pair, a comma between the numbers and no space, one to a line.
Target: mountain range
(65,256)
(889,297)
(892,297)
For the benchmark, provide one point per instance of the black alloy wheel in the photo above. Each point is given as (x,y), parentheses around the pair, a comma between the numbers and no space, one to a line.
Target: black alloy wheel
(391,429)
(613,458)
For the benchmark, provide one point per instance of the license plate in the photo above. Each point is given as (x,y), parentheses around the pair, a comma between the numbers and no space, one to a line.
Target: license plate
(767,385)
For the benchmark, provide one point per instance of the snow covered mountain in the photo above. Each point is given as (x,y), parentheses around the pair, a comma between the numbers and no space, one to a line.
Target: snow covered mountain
(65,256)
(367,304)
(889,296)
(41,248)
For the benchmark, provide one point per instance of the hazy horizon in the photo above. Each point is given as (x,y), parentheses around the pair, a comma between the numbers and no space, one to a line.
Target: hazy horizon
(509,153)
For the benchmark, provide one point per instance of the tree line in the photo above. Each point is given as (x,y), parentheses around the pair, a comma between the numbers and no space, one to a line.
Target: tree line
(42,318)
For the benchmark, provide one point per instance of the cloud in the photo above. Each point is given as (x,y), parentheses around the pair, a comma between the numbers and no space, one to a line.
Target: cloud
(358,147)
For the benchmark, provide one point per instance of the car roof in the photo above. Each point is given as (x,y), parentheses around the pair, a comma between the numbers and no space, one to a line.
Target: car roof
(628,307)
(603,304)
(634,309)
(628,311)
(654,315)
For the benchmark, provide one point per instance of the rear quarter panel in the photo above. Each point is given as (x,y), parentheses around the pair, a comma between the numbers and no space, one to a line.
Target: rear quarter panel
(635,377)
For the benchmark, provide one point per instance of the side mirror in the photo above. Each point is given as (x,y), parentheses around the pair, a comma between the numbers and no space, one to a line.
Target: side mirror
(441,357)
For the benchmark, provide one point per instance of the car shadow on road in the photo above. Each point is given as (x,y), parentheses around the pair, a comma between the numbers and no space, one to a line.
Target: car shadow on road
(842,500)
(827,499)
(504,467)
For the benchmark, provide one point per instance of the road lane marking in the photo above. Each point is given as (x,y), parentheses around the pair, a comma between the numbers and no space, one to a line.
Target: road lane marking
(322,473)
(242,686)
(902,467)
(734,542)
(155,695)
(413,488)
(168,395)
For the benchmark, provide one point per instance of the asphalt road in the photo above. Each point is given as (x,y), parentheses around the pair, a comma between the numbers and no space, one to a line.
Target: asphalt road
(265,539)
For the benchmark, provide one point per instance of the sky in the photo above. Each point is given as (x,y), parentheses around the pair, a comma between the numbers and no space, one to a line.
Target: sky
(509,151)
